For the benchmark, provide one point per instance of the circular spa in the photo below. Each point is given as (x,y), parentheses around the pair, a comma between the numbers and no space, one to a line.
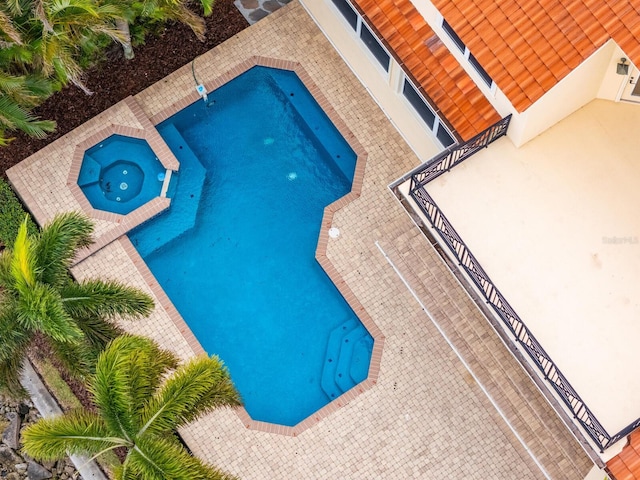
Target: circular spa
(120,174)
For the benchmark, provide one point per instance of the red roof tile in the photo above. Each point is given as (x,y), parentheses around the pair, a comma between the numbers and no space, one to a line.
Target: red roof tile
(626,465)
(439,75)
(552,35)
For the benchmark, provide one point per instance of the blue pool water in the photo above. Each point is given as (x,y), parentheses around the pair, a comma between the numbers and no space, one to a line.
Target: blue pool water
(120,174)
(235,252)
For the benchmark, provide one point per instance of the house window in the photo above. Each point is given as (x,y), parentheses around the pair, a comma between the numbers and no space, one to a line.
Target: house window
(347,12)
(418,104)
(454,36)
(422,108)
(374,47)
(444,136)
(409,91)
(467,54)
(363,31)
(481,71)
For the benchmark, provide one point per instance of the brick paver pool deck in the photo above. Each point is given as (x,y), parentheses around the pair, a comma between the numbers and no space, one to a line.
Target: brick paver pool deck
(426,417)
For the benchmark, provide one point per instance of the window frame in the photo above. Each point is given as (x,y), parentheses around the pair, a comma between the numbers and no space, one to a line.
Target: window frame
(468,56)
(438,125)
(439,128)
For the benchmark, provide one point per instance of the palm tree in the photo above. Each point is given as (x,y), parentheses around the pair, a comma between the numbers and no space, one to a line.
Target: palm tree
(61,31)
(139,408)
(38,295)
(152,11)
(18,93)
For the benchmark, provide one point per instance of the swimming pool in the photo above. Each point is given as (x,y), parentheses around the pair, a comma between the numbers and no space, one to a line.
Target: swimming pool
(236,251)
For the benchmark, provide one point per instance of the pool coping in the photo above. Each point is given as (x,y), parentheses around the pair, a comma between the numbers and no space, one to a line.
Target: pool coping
(321,249)
(141,214)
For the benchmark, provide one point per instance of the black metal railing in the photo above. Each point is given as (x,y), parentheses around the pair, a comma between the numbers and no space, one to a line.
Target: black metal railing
(470,265)
(457,153)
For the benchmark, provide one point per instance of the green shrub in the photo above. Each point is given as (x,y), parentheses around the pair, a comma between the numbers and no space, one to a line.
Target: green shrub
(12,214)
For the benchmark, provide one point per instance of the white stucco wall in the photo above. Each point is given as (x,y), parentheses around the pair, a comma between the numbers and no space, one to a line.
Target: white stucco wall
(382,86)
(612,83)
(571,93)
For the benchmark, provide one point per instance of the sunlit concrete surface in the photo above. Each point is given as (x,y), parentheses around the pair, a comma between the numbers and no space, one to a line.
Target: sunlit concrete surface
(555,224)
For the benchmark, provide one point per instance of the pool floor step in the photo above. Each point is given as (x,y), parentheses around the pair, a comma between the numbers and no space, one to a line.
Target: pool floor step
(187,183)
(347,345)
(361,359)
(332,355)
(89,172)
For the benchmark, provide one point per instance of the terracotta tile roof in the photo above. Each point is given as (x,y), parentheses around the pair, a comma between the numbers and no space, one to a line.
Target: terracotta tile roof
(626,465)
(527,46)
(434,69)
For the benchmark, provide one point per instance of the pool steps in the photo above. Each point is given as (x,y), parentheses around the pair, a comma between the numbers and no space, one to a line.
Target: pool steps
(90,171)
(189,180)
(347,358)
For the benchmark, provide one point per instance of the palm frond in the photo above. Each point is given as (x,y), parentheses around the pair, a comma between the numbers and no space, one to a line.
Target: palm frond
(194,389)
(148,366)
(108,299)
(22,261)
(164,10)
(156,458)
(10,370)
(17,55)
(79,359)
(11,84)
(13,346)
(14,7)
(57,244)
(207,6)
(14,337)
(9,29)
(39,308)
(74,432)
(98,332)
(136,365)
(14,117)
(110,384)
(25,90)
(39,87)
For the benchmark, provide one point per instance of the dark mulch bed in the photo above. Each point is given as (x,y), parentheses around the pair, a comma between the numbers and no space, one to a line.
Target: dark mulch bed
(115,78)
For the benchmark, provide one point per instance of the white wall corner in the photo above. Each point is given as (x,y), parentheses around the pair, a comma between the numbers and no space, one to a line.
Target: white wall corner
(612,83)
(578,88)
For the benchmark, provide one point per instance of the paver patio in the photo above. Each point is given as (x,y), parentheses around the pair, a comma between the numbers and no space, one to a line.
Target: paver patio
(426,417)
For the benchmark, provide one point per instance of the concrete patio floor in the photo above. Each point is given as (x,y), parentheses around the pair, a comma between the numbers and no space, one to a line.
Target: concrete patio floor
(554,225)
(430,415)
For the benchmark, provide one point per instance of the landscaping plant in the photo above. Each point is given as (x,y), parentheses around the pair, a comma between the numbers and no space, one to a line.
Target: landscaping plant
(142,397)
(38,295)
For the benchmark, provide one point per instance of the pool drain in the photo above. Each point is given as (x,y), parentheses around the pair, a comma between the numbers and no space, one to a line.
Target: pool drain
(123,186)
(292,176)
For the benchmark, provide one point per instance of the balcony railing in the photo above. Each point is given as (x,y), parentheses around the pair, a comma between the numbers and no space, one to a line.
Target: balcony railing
(509,318)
